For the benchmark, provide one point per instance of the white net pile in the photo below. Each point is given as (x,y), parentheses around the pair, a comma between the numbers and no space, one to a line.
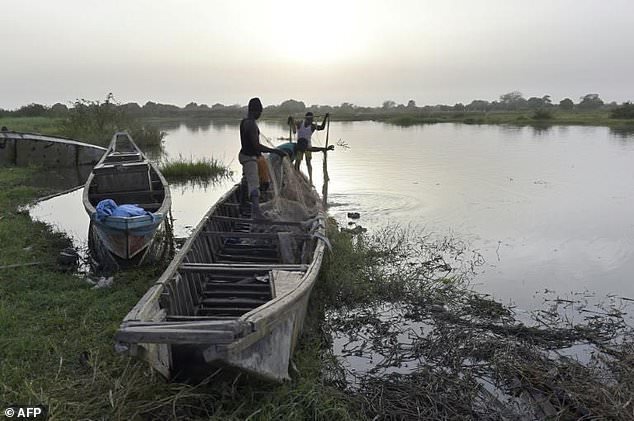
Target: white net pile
(295,200)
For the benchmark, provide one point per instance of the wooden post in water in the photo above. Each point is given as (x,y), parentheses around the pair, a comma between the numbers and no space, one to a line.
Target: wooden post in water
(324,190)
(290,129)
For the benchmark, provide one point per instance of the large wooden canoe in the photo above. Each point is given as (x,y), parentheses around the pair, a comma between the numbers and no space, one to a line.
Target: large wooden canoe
(23,149)
(125,175)
(231,296)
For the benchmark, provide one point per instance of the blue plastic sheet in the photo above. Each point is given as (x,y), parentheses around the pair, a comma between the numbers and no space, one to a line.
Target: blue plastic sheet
(109,207)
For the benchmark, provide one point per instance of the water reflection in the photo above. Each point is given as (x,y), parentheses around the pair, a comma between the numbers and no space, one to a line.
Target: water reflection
(624,133)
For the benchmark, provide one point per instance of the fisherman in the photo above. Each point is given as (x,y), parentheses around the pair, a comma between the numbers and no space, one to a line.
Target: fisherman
(304,130)
(292,150)
(249,153)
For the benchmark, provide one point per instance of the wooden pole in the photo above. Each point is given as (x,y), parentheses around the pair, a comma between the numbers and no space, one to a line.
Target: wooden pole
(324,190)
(290,130)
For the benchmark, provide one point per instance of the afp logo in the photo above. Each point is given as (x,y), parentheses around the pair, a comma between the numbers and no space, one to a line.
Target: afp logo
(21,412)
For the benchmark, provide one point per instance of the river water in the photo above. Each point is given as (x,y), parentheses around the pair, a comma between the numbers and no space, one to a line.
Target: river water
(548,209)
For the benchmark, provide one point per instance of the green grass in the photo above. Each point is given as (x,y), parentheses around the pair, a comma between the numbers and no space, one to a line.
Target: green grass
(521,118)
(202,169)
(44,125)
(56,342)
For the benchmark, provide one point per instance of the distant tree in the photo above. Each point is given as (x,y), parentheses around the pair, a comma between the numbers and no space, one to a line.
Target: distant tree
(32,110)
(346,107)
(512,100)
(625,111)
(566,104)
(459,107)
(547,101)
(58,110)
(534,102)
(192,106)
(590,102)
(292,106)
(478,105)
(411,104)
(217,106)
(511,97)
(132,108)
(388,104)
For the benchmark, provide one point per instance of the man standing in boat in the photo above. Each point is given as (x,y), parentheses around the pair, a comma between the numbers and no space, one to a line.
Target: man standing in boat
(304,130)
(249,153)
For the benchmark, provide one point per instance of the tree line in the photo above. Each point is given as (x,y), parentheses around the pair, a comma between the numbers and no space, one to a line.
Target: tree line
(509,102)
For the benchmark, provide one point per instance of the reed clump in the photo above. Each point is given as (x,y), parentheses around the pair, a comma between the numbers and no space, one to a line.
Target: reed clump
(194,169)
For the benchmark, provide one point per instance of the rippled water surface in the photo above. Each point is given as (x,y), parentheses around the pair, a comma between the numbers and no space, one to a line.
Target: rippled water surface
(549,209)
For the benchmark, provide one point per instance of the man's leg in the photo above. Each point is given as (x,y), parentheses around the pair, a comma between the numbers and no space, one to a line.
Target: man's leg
(250,173)
(298,159)
(309,165)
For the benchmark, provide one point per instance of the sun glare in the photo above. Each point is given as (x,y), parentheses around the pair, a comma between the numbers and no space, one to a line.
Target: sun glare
(327,32)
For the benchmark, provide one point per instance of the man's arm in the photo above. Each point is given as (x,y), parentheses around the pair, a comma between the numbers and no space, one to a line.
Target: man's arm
(323,123)
(316,149)
(253,134)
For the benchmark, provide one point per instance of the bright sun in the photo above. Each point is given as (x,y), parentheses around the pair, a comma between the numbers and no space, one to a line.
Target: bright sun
(325,32)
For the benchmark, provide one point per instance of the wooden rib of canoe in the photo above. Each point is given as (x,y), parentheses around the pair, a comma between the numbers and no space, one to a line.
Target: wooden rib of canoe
(231,296)
(125,175)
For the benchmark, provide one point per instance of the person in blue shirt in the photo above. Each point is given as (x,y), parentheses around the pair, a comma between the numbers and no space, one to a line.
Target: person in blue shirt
(294,151)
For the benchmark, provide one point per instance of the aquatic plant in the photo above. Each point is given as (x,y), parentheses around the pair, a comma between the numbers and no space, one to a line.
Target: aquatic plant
(200,169)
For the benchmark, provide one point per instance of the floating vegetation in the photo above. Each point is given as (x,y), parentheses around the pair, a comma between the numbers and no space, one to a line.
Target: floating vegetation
(199,170)
(416,342)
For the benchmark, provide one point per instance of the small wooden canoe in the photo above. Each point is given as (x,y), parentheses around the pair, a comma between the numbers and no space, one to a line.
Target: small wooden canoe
(233,295)
(125,175)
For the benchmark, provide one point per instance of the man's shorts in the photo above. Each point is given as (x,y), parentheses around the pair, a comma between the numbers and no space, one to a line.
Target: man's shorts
(250,171)
(299,156)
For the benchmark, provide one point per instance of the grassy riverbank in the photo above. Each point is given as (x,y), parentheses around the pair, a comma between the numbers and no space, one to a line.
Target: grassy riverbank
(56,345)
(398,300)
(54,126)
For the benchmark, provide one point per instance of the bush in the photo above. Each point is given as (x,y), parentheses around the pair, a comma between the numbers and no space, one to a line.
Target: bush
(96,122)
(542,114)
(624,111)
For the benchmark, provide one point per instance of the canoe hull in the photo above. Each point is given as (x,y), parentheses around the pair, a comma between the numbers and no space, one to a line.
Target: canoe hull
(228,298)
(130,247)
(24,149)
(126,176)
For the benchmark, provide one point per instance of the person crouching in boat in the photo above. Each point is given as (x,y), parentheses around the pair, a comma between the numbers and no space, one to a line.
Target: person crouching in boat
(292,150)
(250,151)
(305,130)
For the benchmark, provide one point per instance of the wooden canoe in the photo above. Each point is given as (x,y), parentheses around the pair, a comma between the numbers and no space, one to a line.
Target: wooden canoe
(125,175)
(231,296)
(24,149)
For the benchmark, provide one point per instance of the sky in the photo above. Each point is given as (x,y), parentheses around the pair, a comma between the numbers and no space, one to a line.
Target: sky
(326,52)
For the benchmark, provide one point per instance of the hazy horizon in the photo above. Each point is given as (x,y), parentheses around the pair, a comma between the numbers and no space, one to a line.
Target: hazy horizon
(332,52)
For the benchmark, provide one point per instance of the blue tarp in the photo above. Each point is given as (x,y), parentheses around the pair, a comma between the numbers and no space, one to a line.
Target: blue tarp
(109,207)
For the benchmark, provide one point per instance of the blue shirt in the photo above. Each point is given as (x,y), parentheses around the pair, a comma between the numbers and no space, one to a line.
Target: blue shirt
(288,147)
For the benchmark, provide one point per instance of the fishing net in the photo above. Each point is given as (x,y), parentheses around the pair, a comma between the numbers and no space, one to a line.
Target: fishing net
(291,200)
(291,196)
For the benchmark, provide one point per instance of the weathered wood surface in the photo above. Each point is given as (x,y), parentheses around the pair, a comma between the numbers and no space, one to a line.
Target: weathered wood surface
(256,333)
(23,149)
(238,267)
(138,182)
